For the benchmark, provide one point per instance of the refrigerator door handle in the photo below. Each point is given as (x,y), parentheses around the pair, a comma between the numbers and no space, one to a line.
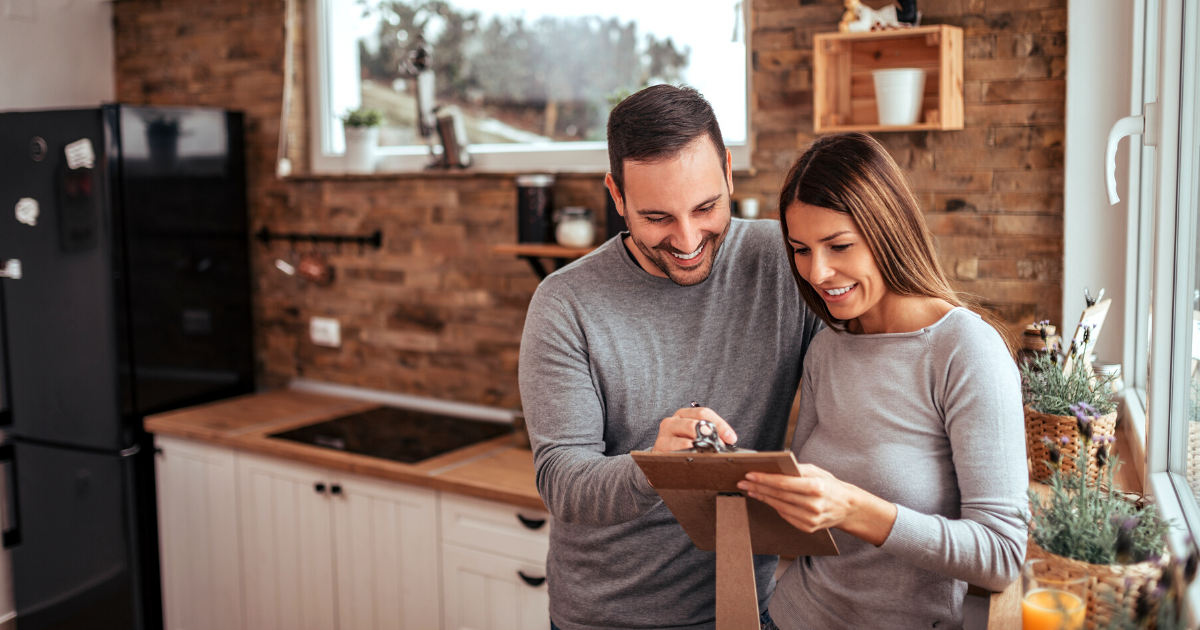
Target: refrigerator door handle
(11,269)
(11,515)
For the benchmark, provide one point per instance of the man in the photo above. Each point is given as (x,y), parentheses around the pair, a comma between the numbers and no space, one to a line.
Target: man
(687,305)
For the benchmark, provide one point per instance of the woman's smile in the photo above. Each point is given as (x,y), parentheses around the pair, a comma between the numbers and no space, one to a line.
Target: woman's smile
(838,295)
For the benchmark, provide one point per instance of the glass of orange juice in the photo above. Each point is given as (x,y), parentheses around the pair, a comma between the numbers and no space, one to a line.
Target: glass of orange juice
(1051,601)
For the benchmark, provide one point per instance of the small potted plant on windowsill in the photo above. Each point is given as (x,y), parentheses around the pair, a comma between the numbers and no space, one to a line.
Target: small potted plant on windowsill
(362,137)
(1055,400)
(1084,526)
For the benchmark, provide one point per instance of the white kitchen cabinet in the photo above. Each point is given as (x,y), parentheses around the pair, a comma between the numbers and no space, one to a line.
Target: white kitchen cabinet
(252,542)
(386,553)
(325,550)
(287,542)
(494,565)
(198,536)
(486,591)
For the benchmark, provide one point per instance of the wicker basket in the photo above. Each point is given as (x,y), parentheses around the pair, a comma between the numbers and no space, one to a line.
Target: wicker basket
(1111,588)
(1193,458)
(1038,424)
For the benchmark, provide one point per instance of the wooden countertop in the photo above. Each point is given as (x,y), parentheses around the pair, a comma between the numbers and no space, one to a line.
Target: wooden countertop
(494,469)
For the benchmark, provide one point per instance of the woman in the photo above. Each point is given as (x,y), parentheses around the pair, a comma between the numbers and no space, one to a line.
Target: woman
(910,434)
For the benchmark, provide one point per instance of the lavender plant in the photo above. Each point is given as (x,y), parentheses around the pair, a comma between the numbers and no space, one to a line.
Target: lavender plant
(1088,521)
(1047,389)
(1165,606)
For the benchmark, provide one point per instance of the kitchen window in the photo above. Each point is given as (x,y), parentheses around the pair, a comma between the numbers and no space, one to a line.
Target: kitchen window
(1165,267)
(534,80)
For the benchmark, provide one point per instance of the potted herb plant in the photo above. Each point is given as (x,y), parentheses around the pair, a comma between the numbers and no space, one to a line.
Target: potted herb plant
(362,138)
(1084,526)
(1055,400)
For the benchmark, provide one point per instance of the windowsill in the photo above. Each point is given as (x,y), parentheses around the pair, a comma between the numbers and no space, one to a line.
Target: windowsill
(457,174)
(1132,412)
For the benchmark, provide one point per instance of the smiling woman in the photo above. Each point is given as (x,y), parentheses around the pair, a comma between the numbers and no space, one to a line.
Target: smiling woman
(910,432)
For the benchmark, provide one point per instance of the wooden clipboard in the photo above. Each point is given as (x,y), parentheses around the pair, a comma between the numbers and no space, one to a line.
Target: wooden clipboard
(701,491)
(689,484)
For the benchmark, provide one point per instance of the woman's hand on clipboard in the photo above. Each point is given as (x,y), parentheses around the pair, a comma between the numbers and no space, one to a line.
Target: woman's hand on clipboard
(817,500)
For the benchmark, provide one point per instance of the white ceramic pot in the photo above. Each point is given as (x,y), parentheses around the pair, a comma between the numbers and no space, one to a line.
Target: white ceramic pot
(898,95)
(360,149)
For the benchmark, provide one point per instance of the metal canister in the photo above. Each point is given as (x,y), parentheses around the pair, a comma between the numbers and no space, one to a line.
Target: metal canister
(535,203)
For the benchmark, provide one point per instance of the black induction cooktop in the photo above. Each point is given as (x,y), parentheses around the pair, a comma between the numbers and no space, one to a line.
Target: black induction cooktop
(402,435)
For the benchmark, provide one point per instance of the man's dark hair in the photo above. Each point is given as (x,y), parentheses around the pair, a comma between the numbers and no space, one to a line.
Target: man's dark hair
(656,124)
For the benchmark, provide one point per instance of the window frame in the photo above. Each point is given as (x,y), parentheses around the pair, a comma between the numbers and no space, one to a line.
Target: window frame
(564,157)
(1174,196)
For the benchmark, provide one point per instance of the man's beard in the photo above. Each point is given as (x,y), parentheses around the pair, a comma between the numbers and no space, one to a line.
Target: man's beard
(660,256)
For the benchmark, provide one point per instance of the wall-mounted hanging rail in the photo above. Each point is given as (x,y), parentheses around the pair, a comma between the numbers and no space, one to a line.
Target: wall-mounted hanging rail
(375,239)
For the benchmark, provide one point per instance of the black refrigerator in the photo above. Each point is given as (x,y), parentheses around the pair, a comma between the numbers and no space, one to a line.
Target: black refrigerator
(124,291)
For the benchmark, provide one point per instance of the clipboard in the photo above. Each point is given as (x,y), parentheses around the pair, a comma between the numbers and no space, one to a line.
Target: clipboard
(701,491)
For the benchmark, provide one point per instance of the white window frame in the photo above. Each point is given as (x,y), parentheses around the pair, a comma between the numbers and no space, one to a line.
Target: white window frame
(1171,188)
(325,128)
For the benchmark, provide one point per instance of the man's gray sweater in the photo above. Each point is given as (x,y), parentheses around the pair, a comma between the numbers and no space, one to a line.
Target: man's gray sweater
(608,352)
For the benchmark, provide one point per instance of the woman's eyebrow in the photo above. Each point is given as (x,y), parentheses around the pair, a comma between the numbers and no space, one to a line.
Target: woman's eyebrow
(835,235)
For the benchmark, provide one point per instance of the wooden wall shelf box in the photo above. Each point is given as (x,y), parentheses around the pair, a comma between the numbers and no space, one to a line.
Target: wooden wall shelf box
(844,91)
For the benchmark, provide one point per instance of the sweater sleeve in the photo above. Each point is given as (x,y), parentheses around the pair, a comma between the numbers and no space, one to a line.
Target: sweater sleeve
(564,412)
(984,421)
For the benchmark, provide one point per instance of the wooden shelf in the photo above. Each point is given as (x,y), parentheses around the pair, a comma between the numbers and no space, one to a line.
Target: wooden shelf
(533,253)
(844,91)
(541,250)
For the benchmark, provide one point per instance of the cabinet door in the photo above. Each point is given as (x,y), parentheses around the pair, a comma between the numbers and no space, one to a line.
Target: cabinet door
(287,543)
(486,592)
(198,537)
(386,541)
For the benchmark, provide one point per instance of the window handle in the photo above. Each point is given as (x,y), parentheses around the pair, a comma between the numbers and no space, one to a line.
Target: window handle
(1145,125)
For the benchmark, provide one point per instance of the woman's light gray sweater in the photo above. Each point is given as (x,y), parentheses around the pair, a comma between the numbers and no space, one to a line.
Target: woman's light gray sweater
(931,421)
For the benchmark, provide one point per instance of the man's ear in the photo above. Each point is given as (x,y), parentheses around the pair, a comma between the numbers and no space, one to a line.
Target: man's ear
(729,170)
(616,194)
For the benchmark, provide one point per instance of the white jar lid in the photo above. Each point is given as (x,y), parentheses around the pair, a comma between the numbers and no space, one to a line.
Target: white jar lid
(539,180)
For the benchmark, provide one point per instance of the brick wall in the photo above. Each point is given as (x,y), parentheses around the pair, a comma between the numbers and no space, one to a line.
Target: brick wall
(434,312)
(993,192)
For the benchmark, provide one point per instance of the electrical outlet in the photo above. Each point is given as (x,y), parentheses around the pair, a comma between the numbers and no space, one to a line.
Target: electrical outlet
(325,331)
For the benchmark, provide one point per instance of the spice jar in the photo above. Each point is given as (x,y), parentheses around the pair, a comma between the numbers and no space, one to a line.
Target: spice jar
(575,227)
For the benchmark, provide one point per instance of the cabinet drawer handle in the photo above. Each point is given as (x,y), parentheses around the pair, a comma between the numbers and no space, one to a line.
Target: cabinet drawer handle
(531,523)
(532,581)
(319,487)
(335,489)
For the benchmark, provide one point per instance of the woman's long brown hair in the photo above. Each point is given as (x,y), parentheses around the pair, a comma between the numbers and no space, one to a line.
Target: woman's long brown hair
(854,174)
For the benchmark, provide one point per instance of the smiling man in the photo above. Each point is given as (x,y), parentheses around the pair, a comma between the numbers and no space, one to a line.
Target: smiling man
(689,304)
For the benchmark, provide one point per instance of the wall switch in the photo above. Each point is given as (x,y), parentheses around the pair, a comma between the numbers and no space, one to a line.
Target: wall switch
(325,331)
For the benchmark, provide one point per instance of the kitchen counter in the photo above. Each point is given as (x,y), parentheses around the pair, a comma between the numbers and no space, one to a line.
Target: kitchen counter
(494,469)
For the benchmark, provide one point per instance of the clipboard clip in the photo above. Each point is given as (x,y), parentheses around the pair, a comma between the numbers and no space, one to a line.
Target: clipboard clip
(707,441)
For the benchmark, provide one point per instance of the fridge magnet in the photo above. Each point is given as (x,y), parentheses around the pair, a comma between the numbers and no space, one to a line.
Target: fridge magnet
(80,154)
(28,211)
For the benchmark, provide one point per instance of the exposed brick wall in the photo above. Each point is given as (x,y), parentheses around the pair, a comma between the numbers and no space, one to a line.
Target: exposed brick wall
(993,192)
(435,312)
